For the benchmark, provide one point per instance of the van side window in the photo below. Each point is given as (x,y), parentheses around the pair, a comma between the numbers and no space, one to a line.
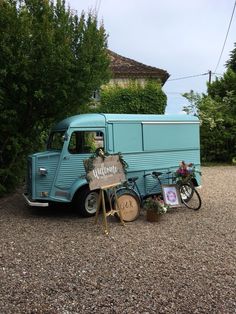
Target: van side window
(56,140)
(84,142)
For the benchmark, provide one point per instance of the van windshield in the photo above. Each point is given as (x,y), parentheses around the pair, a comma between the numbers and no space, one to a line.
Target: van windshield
(56,140)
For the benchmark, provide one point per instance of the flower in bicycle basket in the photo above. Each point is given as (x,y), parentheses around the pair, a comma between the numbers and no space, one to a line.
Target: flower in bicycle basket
(156,204)
(185,170)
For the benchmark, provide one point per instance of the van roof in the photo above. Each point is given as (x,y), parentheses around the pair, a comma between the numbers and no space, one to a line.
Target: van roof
(100,119)
(149,117)
(81,120)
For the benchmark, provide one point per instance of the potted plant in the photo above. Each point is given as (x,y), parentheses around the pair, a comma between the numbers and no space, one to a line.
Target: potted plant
(154,207)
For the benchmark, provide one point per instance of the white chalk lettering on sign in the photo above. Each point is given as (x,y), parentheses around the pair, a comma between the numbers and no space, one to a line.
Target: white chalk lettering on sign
(104,171)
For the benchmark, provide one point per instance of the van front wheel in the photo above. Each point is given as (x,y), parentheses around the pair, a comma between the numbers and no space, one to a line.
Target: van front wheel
(86,201)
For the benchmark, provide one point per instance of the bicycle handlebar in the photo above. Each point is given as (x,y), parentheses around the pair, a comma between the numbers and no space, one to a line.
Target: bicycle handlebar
(147,174)
(156,174)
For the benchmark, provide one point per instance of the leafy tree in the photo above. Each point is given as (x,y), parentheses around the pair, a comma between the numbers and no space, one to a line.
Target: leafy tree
(133,98)
(231,63)
(222,86)
(206,110)
(50,62)
(218,127)
(217,113)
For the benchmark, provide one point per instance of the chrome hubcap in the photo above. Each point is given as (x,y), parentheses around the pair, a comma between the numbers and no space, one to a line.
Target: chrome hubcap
(91,202)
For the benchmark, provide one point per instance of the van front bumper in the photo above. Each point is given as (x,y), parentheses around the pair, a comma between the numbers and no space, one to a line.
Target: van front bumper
(34,203)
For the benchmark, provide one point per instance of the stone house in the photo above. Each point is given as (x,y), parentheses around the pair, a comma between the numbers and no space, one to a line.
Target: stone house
(125,69)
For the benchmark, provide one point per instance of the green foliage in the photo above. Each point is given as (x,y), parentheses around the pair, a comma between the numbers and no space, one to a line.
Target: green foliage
(222,86)
(50,62)
(155,204)
(217,113)
(218,126)
(231,63)
(133,98)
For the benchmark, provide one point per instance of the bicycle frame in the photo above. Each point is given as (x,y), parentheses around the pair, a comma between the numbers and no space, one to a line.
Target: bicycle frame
(131,184)
(185,187)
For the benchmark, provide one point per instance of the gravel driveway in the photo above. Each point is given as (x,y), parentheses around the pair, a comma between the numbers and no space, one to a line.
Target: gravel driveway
(52,261)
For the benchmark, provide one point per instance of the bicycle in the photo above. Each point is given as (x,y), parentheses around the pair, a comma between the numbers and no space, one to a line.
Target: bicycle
(188,194)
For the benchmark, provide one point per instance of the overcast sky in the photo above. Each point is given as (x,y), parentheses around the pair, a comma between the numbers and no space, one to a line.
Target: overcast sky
(183,37)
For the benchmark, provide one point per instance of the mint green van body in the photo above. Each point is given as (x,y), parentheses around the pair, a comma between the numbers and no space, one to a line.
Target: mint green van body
(147,142)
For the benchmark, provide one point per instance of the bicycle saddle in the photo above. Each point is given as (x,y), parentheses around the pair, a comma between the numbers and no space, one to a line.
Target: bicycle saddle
(133,179)
(156,173)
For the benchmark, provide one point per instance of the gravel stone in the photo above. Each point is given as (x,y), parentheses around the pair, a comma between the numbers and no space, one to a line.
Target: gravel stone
(54,262)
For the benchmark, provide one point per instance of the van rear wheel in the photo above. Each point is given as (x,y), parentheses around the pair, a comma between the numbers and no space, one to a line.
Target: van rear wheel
(86,201)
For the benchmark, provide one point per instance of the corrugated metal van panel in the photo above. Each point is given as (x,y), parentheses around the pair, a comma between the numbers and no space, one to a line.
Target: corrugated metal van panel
(152,185)
(160,160)
(71,169)
(143,163)
(29,176)
(44,183)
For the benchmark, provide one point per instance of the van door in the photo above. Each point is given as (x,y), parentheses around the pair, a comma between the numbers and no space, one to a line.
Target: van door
(81,144)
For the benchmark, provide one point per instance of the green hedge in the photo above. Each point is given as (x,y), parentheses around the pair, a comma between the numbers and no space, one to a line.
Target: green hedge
(136,98)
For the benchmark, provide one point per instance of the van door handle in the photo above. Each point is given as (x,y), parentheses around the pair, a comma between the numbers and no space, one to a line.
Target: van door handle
(66,158)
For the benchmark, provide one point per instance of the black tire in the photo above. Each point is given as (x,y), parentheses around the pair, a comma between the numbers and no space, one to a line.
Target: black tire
(194,202)
(86,202)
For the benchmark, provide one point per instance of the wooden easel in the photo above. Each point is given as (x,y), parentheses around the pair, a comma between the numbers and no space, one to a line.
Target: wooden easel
(112,212)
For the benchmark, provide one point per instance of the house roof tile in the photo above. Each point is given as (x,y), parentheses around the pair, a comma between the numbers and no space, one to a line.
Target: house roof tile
(123,67)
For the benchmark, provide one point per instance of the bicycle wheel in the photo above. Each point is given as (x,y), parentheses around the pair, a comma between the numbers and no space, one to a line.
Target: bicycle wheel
(186,191)
(194,202)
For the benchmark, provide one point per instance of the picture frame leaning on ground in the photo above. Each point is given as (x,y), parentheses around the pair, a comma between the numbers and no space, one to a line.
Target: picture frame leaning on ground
(171,195)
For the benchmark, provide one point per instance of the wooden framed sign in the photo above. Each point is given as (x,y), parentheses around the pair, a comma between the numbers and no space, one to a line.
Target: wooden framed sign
(104,171)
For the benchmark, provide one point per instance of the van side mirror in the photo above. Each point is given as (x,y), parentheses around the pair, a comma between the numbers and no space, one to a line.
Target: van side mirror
(65,137)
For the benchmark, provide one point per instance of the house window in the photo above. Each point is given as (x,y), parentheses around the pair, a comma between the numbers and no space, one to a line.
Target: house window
(96,95)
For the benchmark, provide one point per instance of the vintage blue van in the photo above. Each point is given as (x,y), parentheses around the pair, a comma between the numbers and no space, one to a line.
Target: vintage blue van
(147,142)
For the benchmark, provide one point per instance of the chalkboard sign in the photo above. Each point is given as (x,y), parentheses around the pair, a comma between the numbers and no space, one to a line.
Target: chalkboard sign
(104,171)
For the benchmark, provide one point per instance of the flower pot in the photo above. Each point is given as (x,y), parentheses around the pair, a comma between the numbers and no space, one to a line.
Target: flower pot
(152,216)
